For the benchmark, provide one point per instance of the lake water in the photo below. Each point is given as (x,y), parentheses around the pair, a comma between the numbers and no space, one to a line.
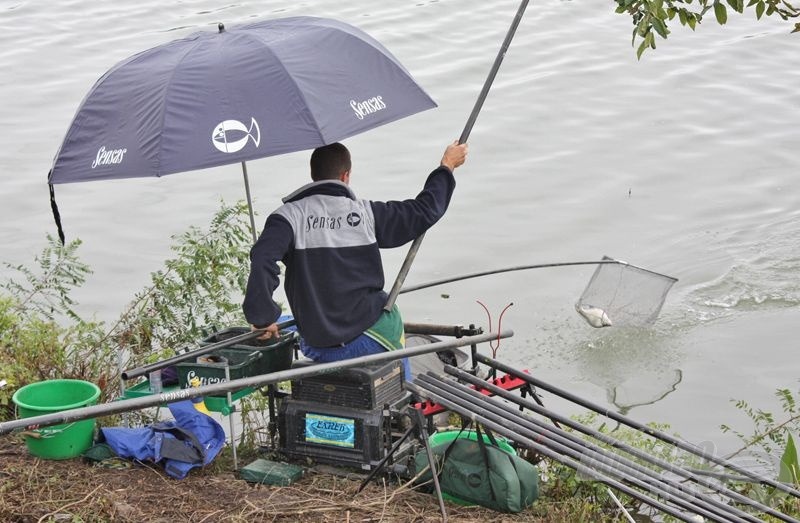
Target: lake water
(684,163)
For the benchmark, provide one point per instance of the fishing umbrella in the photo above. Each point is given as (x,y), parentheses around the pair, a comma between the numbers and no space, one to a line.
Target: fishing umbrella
(216,98)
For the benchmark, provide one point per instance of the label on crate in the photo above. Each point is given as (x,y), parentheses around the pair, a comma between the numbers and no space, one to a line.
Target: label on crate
(204,380)
(330,430)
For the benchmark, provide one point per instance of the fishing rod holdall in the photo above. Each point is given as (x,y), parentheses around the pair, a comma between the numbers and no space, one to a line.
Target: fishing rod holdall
(475,468)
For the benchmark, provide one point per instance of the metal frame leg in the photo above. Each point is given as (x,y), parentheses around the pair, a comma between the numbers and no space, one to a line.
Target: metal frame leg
(230,419)
(431,463)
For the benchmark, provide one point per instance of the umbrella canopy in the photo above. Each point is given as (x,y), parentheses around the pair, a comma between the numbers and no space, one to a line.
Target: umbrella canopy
(215,98)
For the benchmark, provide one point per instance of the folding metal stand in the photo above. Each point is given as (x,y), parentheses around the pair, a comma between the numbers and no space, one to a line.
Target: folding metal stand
(418,426)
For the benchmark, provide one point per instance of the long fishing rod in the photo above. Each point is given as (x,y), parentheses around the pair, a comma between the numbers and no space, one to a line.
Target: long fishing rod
(215,389)
(572,446)
(694,449)
(247,336)
(624,464)
(613,442)
(412,251)
(599,472)
(511,269)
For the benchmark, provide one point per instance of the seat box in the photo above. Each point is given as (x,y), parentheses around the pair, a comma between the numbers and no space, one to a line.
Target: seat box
(367,387)
(333,435)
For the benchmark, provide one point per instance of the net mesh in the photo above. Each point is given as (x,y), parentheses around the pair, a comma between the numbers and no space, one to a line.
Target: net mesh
(621,294)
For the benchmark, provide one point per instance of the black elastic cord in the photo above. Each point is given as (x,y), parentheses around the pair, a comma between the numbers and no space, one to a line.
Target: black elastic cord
(56,214)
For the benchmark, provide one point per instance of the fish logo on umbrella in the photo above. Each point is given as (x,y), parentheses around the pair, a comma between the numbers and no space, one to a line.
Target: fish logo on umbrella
(231,136)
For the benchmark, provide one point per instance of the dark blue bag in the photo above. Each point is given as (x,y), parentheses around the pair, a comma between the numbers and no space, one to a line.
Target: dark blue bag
(193,439)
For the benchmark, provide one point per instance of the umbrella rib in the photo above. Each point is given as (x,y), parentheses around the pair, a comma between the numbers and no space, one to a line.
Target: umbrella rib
(167,86)
(291,78)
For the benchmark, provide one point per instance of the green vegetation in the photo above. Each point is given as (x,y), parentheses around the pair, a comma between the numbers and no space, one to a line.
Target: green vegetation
(42,336)
(771,437)
(652,17)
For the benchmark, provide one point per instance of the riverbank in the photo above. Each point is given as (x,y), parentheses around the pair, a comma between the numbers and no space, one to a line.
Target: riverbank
(37,490)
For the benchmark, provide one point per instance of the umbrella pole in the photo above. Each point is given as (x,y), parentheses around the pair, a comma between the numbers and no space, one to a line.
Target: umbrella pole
(249,202)
(412,251)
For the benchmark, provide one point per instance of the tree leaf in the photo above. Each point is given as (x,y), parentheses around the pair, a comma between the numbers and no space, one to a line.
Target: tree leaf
(790,469)
(737,5)
(641,49)
(760,9)
(660,28)
(721,12)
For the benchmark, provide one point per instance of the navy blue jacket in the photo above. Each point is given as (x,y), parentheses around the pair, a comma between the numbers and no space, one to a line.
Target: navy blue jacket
(329,242)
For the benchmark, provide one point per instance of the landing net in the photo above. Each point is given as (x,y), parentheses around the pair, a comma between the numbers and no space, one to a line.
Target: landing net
(620,294)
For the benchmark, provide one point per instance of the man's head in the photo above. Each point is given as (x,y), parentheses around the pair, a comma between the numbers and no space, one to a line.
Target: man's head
(330,162)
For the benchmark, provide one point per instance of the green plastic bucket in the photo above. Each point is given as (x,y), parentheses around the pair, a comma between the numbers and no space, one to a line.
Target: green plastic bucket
(64,441)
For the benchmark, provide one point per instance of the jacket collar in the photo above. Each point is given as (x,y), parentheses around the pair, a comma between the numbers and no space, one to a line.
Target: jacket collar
(327,187)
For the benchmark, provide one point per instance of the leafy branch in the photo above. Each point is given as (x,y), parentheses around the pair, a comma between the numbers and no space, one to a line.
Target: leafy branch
(651,17)
(47,292)
(768,432)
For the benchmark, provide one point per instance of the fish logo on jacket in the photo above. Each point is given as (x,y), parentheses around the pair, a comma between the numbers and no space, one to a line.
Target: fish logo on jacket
(353,219)
(231,136)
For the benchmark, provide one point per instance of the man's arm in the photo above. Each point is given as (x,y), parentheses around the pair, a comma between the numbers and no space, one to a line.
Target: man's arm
(273,244)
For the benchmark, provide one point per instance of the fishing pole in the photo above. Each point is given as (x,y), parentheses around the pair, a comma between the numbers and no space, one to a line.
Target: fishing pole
(596,473)
(512,269)
(570,445)
(412,251)
(613,442)
(199,351)
(154,400)
(636,425)
(570,439)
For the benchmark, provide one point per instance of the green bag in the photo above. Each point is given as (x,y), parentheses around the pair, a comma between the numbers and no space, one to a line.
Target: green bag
(481,473)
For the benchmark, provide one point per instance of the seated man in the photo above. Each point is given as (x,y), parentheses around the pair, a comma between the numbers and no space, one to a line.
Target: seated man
(330,243)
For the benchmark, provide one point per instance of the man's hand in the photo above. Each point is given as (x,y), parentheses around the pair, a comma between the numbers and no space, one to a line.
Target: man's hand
(455,155)
(269,332)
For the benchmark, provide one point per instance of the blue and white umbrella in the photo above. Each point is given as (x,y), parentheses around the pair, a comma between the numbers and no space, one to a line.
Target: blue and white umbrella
(216,98)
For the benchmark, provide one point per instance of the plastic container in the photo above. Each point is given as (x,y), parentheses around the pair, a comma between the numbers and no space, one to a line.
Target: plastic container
(271,473)
(240,363)
(155,382)
(275,354)
(64,441)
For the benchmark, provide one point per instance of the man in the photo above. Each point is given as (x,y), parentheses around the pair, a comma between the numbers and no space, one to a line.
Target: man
(329,242)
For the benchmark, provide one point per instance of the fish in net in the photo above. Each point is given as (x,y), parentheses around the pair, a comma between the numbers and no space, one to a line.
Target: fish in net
(621,294)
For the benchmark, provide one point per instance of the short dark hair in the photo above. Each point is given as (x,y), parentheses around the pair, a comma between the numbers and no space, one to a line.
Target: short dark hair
(329,162)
